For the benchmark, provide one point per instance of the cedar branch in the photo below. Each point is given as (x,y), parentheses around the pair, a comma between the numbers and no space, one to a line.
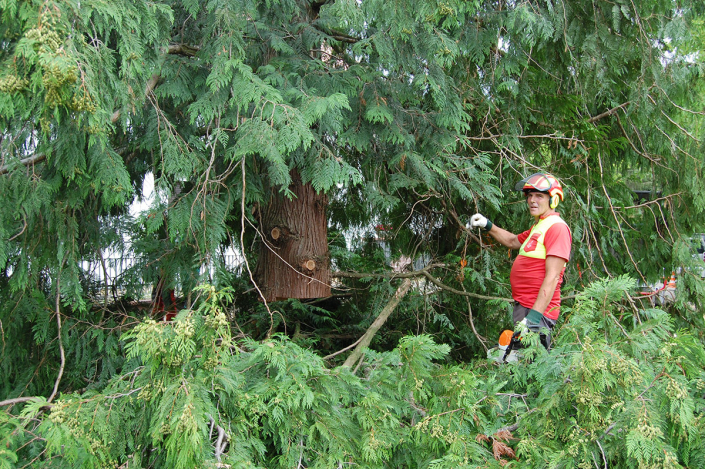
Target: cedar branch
(173,49)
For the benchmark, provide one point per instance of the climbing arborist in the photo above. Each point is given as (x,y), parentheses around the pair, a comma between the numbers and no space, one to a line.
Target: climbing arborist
(537,272)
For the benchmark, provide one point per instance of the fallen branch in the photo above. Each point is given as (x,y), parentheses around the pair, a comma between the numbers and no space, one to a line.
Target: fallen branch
(378,323)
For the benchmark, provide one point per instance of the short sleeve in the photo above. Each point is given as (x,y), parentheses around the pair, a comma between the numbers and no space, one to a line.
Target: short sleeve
(558,240)
(522,236)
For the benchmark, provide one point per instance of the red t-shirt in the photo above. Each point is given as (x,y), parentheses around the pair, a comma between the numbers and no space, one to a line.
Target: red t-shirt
(528,273)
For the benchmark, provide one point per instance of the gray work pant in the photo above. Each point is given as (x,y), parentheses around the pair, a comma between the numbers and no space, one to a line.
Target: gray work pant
(544,327)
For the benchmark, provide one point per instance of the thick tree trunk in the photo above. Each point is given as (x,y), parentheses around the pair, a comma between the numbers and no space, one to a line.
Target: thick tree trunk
(293,260)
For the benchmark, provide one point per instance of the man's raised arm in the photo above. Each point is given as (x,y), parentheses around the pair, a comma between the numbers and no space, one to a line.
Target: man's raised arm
(503,237)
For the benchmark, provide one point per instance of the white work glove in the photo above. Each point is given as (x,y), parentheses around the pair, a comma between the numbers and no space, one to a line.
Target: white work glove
(479,221)
(521,327)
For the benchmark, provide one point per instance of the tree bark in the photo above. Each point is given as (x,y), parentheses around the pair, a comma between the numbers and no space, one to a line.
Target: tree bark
(294,261)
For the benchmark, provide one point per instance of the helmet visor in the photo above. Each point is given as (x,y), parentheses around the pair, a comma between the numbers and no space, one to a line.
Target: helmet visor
(537,181)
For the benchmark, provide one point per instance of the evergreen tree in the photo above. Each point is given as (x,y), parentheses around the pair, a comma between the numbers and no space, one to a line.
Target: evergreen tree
(405,115)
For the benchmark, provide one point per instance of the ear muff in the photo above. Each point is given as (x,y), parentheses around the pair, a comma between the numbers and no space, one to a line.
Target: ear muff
(554,201)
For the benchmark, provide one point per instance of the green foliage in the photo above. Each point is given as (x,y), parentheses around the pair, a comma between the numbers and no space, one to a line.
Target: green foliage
(620,392)
(407,114)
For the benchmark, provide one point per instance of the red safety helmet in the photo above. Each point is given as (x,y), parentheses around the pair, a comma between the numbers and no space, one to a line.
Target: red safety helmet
(542,182)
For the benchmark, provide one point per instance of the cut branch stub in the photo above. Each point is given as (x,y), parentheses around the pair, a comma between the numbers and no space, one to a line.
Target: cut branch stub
(309,265)
(279,235)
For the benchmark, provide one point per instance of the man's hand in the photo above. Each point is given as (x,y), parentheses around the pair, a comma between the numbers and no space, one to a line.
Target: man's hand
(479,221)
(532,320)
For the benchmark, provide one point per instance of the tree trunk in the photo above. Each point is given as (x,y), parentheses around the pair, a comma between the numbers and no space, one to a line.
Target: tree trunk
(293,260)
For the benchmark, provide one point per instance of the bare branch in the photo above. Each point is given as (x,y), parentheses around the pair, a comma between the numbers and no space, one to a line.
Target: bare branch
(37,158)
(61,343)
(16,400)
(327,357)
(607,113)
(645,204)
(378,323)
(442,286)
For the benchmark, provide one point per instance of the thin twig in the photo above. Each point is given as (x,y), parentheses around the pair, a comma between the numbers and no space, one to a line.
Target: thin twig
(438,283)
(472,323)
(24,227)
(608,113)
(343,350)
(624,239)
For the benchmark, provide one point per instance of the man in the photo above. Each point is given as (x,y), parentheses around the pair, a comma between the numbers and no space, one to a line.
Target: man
(537,272)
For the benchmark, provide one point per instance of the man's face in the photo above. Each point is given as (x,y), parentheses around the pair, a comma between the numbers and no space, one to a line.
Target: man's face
(538,203)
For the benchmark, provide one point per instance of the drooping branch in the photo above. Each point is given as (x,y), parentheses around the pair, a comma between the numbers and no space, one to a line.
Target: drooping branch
(378,323)
(173,49)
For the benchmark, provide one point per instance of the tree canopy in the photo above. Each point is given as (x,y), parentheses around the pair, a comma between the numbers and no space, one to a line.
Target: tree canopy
(398,120)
